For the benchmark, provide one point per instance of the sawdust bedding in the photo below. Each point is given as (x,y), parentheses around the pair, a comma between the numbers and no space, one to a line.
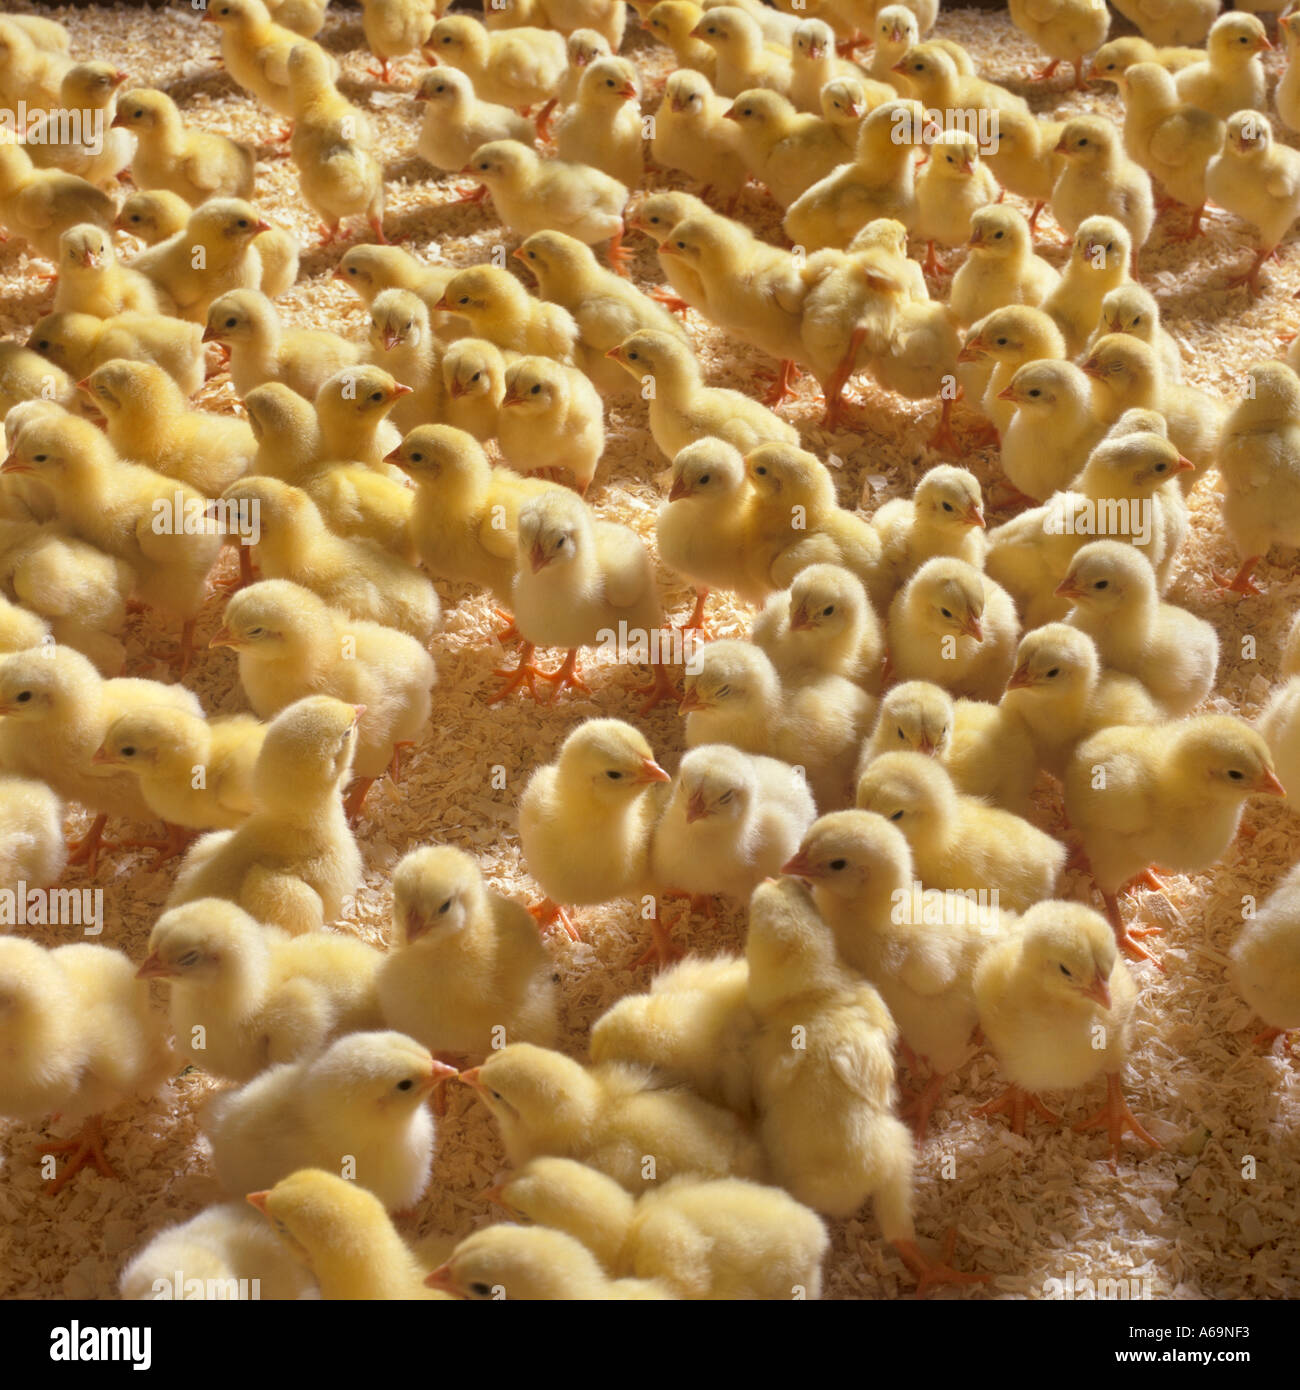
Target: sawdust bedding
(1182,1222)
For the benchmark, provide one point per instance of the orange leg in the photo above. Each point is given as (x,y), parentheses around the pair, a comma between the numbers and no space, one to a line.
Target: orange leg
(834,390)
(377,226)
(86,850)
(661,949)
(474,194)
(1266,1037)
(510,633)
(356,798)
(931,1272)
(782,384)
(943,437)
(384,72)
(1250,276)
(1126,938)
(395,767)
(1241,582)
(674,303)
(543,121)
(661,688)
(1044,73)
(1033,216)
(932,265)
(525,674)
(1016,1102)
(565,677)
(178,840)
(86,1146)
(618,254)
(548,911)
(696,623)
(919,1106)
(1195,229)
(1116,1117)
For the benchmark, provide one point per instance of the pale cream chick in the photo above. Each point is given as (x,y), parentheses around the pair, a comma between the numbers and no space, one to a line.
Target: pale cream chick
(26,376)
(843,104)
(1053,431)
(822,625)
(692,134)
(1115,57)
(32,848)
(673,23)
(1100,258)
(255,50)
(785,149)
(30,70)
(1232,76)
(951,188)
(1259,181)
(474,385)
(403,343)
(498,308)
(1265,957)
(657,214)
(1100,179)
(1132,309)
(293,862)
(552,421)
(602,129)
(895,32)
(78,343)
(1001,267)
(394,28)
(466,966)
(153,216)
(581,48)
(1065,30)
(744,58)
(997,346)
(193,164)
(941,84)
(944,517)
(39,205)
(510,67)
(287,433)
(813,63)
(244,997)
(1024,160)
(91,281)
(456,121)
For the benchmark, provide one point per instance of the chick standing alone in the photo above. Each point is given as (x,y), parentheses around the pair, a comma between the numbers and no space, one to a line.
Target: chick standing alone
(1259,181)
(552,421)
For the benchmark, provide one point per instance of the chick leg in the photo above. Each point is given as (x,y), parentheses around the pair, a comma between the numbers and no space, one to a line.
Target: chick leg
(565,677)
(178,840)
(834,389)
(1241,582)
(1044,73)
(86,850)
(1080,85)
(1039,205)
(86,1146)
(548,911)
(1015,1102)
(661,688)
(661,949)
(617,254)
(932,265)
(1125,939)
(543,122)
(474,194)
(1266,1037)
(377,226)
(931,1272)
(1191,232)
(524,674)
(384,72)
(674,303)
(696,623)
(1250,276)
(395,767)
(356,798)
(943,437)
(782,384)
(918,1108)
(1116,1117)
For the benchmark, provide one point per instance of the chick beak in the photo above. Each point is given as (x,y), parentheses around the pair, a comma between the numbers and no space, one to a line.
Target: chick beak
(118,121)
(925,746)
(208,18)
(440,1072)
(261,225)
(1020,679)
(1009,393)
(815,50)
(853,110)
(153,966)
(340,273)
(976,237)
(616,353)
(468,169)
(223,637)
(900,66)
(457,389)
(258,1199)
(896,35)
(394,456)
(651,772)
(972,627)
(1098,991)
(1268,785)
(400,390)
(538,558)
(974,516)
(496,1195)
(1090,250)
(390,339)
(666,248)
(442,1279)
(698,31)
(799,867)
(1263,43)
(677,104)
(510,398)
(471,1078)
(731,114)
(800,621)
(696,809)
(13,464)
(416,925)
(88,259)
(967,165)
(1114,326)
(1067,588)
(357,712)
(103,757)
(691,701)
(1184,465)
(627,91)
(971,351)
(1092,368)
(1061,147)
(680,488)
(210,335)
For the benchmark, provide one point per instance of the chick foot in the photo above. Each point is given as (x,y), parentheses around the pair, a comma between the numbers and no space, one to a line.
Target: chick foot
(86,1146)
(543,122)
(178,840)
(475,193)
(673,303)
(919,1107)
(1250,276)
(354,802)
(618,254)
(1266,1037)
(782,384)
(547,912)
(395,767)
(943,437)
(696,623)
(1116,1117)
(1128,939)
(1241,582)
(384,72)
(931,1272)
(1193,230)
(525,674)
(1016,1102)
(565,678)
(86,850)
(661,688)
(1044,74)
(661,949)
(932,265)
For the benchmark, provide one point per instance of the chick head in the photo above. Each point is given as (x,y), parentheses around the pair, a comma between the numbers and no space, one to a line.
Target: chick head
(555,253)
(1136,464)
(1057,660)
(1148,85)
(999,231)
(272,619)
(727,28)
(201,941)
(929,69)
(46,682)
(119,387)
(1101,244)
(85,247)
(610,759)
(759,109)
(650,353)
(446,88)
(584,46)
(154,736)
(1123,364)
(1113,59)
(552,1191)
(318,1215)
(792,475)
(518,1263)
(90,84)
(609,82)
(813,40)
(1040,387)
(895,25)
(308,750)
(846,851)
(483,293)
(236,14)
(707,241)
(826,601)
(1222,754)
(1069,950)
(441,453)
(657,214)
(1109,578)
(144,108)
(398,318)
(379,1078)
(535,385)
(709,468)
(909,790)
(672,21)
(473,367)
(788,946)
(369,269)
(1088,141)
(506,163)
(456,38)
(954,154)
(282,510)
(529,1084)
(687,91)
(1129,308)
(49,444)
(1013,331)
(716,781)
(881,131)
(554,529)
(1273,396)
(881,234)
(950,497)
(275,411)
(843,99)
(1236,38)
(153,215)
(363,390)
(732,676)
(230,220)
(918,716)
(947,596)
(436,887)
(238,316)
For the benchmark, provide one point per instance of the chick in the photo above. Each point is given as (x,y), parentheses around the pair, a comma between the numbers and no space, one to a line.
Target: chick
(682,409)
(954,626)
(402,341)
(1132,309)
(1257,180)
(1065,30)
(552,421)
(944,517)
(1114,58)
(896,31)
(585,820)
(511,67)
(743,57)
(285,427)
(262,350)
(79,1038)
(657,214)
(90,88)
(30,71)
(823,624)
(39,205)
(1171,795)
(27,376)
(152,216)
(244,997)
(498,308)
(456,122)
(1264,958)
(394,28)
(941,85)
(1280,720)
(362,1096)
(293,861)
(1171,651)
(150,421)
(843,104)
(692,134)
(1053,430)
(1232,76)
(467,969)
(1100,257)
(608,1116)
(474,385)
(1286,95)
(813,63)
(1187,22)
(602,129)
(604,306)
(352,408)
(1099,178)
(957,840)
(218,1248)
(952,187)
(255,50)
(1025,161)
(371,269)
(78,343)
(581,48)
(193,164)
(48,35)
(92,282)
(785,149)
(1001,267)
(1056,1005)
(304,17)
(32,850)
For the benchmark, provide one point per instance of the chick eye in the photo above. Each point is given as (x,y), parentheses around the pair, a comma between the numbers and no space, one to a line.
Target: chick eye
(417,458)
(352,270)
(536,391)
(723,691)
(1082,143)
(997,236)
(1035,393)
(464,299)
(762,472)
(446,907)
(376,395)
(243,222)
(898,815)
(1053,673)
(40,458)
(947,506)
(128,752)
(254,631)
(230,323)
(828,610)
(1065,971)
(704,478)
(838,864)
(138,114)
(609,82)
(613,776)
(901,734)
(945,613)
(725,798)
(480,1290)
(1160,467)
(189,958)
(406,1085)
(496,1095)
(24,696)
(1001,342)
(1235,775)
(633,357)
(1102,584)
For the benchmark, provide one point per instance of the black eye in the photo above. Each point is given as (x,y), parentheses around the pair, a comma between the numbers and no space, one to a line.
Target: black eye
(901,734)
(243,222)
(828,610)
(1102,584)
(24,696)
(898,815)
(376,395)
(1160,467)
(464,299)
(536,391)
(1235,775)
(406,1085)
(945,613)
(40,458)
(352,270)
(1082,143)
(1066,973)
(704,478)
(613,776)
(189,958)
(1001,342)
(1035,393)
(838,864)
(947,506)
(480,1290)
(417,458)
(138,114)
(445,907)
(762,472)
(496,1095)
(230,323)
(997,236)
(632,357)
(128,752)
(1053,673)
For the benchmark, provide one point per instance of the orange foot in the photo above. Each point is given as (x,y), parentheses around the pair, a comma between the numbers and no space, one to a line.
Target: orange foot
(355,801)
(565,678)
(931,1272)
(525,674)
(1266,1037)
(1129,939)
(86,1146)
(509,634)
(672,302)
(547,912)
(661,688)
(395,767)
(919,1106)
(943,437)
(1241,582)
(932,265)
(782,384)
(1045,73)
(1116,1117)
(384,72)
(475,193)
(178,840)
(1194,230)
(618,254)
(661,949)
(86,850)
(1015,1102)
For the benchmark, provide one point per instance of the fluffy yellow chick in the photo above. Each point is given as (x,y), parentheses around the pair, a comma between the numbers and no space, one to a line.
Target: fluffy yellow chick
(692,134)
(255,50)
(474,385)
(895,32)
(402,341)
(997,345)
(467,970)
(352,408)
(362,1096)
(304,17)
(673,22)
(823,624)
(193,164)
(1099,178)
(743,57)
(150,422)
(90,88)
(843,104)
(585,820)
(1188,21)
(48,35)
(1025,161)
(954,626)
(30,70)
(552,421)
(1114,58)
(498,308)
(582,47)
(1100,257)
(604,306)
(79,1038)
(456,122)
(1132,309)
(682,408)
(1286,95)
(341,1233)
(951,188)
(244,997)
(1056,1005)
(1170,795)
(1053,430)
(785,149)
(1259,181)
(1280,720)
(26,376)
(371,269)
(1232,76)
(262,350)
(1265,968)
(152,216)
(1064,29)
(602,128)
(813,63)
(216,1249)
(39,205)
(78,343)
(944,516)
(92,282)
(1171,651)
(957,840)
(657,214)
(394,28)
(355,576)
(32,849)
(512,67)
(608,1116)
(1001,267)
(1173,140)
(288,436)
(939,82)
(293,861)
(826,1108)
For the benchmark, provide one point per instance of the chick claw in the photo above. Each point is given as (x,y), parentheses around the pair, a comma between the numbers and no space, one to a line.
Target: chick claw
(1116,1117)
(1016,1102)
(919,1107)
(86,1146)
(1242,582)
(673,303)
(548,911)
(931,1272)
(661,948)
(565,678)
(86,850)
(525,674)
(661,688)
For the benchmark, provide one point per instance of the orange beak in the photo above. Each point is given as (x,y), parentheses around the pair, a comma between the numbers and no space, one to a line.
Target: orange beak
(1092,368)
(443,1279)
(153,968)
(974,516)
(652,772)
(258,1200)
(1268,785)
(261,225)
(976,237)
(1067,588)
(118,121)
(496,1195)
(390,339)
(680,488)
(691,701)
(972,627)
(616,353)
(511,399)
(394,456)
(443,305)
(1061,147)
(210,335)
(696,809)
(900,66)
(1184,465)
(400,390)
(1262,43)
(800,621)
(666,248)
(223,637)
(1098,991)
(1009,393)
(471,1078)
(457,389)
(441,1072)
(627,91)
(538,558)
(103,757)
(971,351)
(207,18)
(925,745)
(800,867)
(1020,679)
(13,464)
(677,104)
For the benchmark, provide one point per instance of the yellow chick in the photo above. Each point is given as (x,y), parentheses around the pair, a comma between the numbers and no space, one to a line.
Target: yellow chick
(79,1038)
(957,840)
(341,1233)
(362,1096)
(394,28)
(552,421)
(1025,161)
(1053,430)
(402,341)
(371,269)
(581,48)
(657,214)
(743,57)
(682,409)
(602,128)
(352,408)
(943,517)
(692,134)
(32,849)
(26,376)
(1264,959)
(1172,139)
(467,969)
(356,576)
(941,85)
(1100,179)
(785,149)
(1171,651)
(1056,1005)
(895,32)
(673,23)
(512,67)
(262,350)
(585,820)
(608,1116)
(1280,720)
(305,17)
(292,862)
(497,307)
(1064,29)
(1188,21)
(843,104)
(150,422)
(1170,794)
(822,625)
(90,88)
(39,205)
(951,188)
(1100,259)
(776,26)
(152,216)
(1232,76)
(1001,267)
(225,1247)
(244,997)
(474,385)
(78,343)
(1259,181)
(255,50)
(48,35)
(30,70)
(1132,309)
(91,281)
(288,436)
(456,122)
(1286,95)
(193,164)
(954,626)
(1114,58)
